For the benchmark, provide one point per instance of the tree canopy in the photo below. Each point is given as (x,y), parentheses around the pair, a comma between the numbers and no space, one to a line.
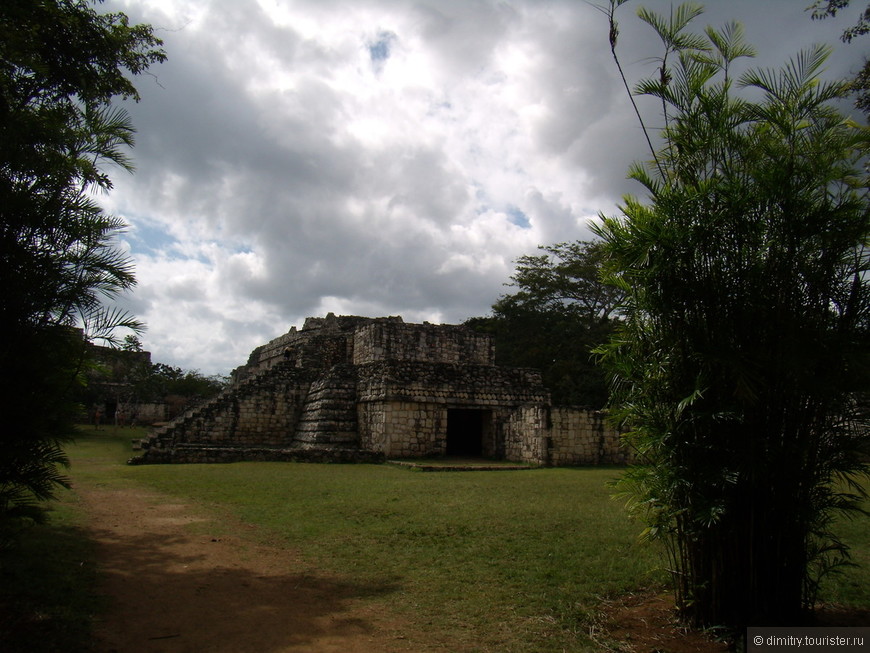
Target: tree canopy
(567,277)
(61,64)
(559,313)
(861,83)
(741,362)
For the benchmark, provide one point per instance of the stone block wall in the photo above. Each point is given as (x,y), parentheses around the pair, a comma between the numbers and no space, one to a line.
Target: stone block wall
(312,351)
(403,406)
(429,343)
(147,413)
(458,385)
(403,429)
(525,435)
(411,429)
(321,343)
(582,437)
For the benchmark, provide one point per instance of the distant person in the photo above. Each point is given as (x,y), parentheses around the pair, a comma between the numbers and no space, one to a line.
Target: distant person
(98,417)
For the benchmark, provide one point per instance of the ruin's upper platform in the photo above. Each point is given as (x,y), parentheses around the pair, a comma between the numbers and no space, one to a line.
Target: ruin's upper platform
(350,339)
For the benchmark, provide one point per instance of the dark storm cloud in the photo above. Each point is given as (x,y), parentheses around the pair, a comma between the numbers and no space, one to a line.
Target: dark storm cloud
(379,157)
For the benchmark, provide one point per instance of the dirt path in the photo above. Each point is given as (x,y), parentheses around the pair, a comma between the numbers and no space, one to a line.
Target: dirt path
(173,588)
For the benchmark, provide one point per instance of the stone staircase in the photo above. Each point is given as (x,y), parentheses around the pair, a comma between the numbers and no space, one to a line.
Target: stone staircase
(282,413)
(329,418)
(203,424)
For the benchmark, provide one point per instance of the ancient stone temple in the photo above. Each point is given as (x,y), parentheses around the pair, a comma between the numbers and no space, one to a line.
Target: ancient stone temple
(355,389)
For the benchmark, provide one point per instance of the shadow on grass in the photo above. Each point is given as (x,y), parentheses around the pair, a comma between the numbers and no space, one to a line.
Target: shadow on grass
(179,592)
(156,592)
(47,591)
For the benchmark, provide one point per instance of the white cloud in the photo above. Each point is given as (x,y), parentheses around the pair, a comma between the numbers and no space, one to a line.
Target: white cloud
(376,157)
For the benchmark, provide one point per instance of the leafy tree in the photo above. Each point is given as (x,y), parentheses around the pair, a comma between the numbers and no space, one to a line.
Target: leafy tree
(742,358)
(824,8)
(161,381)
(131,343)
(565,278)
(125,378)
(560,312)
(61,64)
(861,83)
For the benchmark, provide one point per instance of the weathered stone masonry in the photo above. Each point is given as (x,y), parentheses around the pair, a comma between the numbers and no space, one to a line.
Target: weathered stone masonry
(364,389)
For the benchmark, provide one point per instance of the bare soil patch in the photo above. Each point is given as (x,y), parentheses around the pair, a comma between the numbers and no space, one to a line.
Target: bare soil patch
(174,588)
(647,623)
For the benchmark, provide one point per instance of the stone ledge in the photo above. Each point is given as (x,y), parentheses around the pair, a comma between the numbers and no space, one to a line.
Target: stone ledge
(199,454)
(424,467)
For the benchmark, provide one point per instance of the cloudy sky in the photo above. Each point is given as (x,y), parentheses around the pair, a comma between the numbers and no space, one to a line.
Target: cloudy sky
(378,157)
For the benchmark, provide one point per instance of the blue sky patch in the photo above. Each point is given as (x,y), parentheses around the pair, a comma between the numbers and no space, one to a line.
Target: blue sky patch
(517,217)
(379,50)
(149,237)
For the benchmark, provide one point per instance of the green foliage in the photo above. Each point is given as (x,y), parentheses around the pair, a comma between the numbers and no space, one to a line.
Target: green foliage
(132,343)
(560,312)
(566,278)
(824,8)
(60,65)
(741,366)
(125,377)
(161,381)
(861,83)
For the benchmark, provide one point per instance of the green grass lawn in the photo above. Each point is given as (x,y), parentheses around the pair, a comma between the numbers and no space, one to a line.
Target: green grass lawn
(510,559)
(514,560)
(48,585)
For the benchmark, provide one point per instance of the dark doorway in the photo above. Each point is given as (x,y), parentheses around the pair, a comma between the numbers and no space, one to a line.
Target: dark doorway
(465,429)
(111,409)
